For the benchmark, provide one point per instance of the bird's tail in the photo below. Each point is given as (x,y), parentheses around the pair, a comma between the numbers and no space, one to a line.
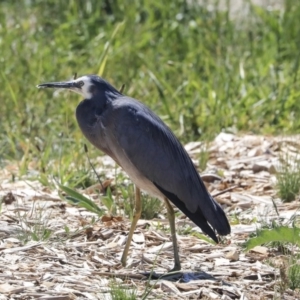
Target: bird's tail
(213,220)
(217,218)
(214,215)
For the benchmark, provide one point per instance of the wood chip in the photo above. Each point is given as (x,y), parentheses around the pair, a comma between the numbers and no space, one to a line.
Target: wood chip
(260,249)
(233,255)
(71,264)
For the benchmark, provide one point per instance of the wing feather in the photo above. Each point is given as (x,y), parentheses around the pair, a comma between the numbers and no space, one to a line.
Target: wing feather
(157,154)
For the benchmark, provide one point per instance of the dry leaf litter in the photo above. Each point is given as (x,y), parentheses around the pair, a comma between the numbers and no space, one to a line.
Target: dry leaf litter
(81,258)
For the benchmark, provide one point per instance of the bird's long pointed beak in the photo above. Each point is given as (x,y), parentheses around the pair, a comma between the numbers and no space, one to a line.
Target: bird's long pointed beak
(60,85)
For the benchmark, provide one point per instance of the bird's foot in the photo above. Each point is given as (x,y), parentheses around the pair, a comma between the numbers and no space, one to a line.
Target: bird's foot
(176,268)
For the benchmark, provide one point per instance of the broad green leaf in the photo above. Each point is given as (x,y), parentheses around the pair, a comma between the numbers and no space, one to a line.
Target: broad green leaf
(280,234)
(76,198)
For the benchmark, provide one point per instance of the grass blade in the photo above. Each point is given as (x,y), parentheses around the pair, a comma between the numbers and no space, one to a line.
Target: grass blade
(279,234)
(76,198)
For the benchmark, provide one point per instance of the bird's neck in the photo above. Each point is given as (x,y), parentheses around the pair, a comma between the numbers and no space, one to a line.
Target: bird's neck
(111,95)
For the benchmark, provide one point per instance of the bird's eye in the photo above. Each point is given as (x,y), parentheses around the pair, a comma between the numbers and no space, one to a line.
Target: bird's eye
(80,83)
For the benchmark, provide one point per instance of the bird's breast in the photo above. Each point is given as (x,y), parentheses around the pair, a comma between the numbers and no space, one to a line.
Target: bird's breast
(90,120)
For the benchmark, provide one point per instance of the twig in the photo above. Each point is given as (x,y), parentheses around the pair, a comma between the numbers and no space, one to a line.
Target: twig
(122,88)
(110,274)
(225,191)
(98,177)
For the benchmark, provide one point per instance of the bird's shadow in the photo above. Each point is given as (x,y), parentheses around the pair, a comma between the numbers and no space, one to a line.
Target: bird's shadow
(183,277)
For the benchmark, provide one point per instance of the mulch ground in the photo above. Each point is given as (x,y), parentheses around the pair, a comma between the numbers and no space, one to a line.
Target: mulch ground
(80,259)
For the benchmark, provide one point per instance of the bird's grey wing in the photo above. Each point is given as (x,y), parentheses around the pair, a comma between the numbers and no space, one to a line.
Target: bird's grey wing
(154,151)
(157,154)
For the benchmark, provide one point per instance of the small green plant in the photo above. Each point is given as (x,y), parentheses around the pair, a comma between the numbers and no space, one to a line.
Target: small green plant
(288,179)
(34,225)
(108,201)
(188,230)
(280,234)
(118,292)
(127,201)
(294,273)
(163,227)
(203,159)
(289,271)
(234,219)
(203,237)
(185,230)
(78,199)
(150,206)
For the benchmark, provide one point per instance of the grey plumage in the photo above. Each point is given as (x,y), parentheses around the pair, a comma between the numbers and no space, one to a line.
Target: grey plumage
(141,143)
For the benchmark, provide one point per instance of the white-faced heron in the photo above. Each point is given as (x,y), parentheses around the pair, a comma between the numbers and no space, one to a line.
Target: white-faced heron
(141,143)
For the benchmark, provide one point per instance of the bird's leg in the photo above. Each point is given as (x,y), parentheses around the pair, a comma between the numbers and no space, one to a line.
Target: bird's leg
(136,216)
(171,217)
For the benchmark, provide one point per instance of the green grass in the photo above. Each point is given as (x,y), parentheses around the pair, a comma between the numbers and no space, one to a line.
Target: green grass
(150,206)
(201,71)
(34,225)
(126,201)
(288,178)
(118,292)
(286,239)
(294,273)
(282,234)
(198,69)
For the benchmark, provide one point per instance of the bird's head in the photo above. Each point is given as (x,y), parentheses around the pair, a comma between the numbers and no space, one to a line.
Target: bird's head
(88,86)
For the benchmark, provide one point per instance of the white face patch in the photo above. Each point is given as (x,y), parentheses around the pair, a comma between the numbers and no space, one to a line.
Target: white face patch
(85,88)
